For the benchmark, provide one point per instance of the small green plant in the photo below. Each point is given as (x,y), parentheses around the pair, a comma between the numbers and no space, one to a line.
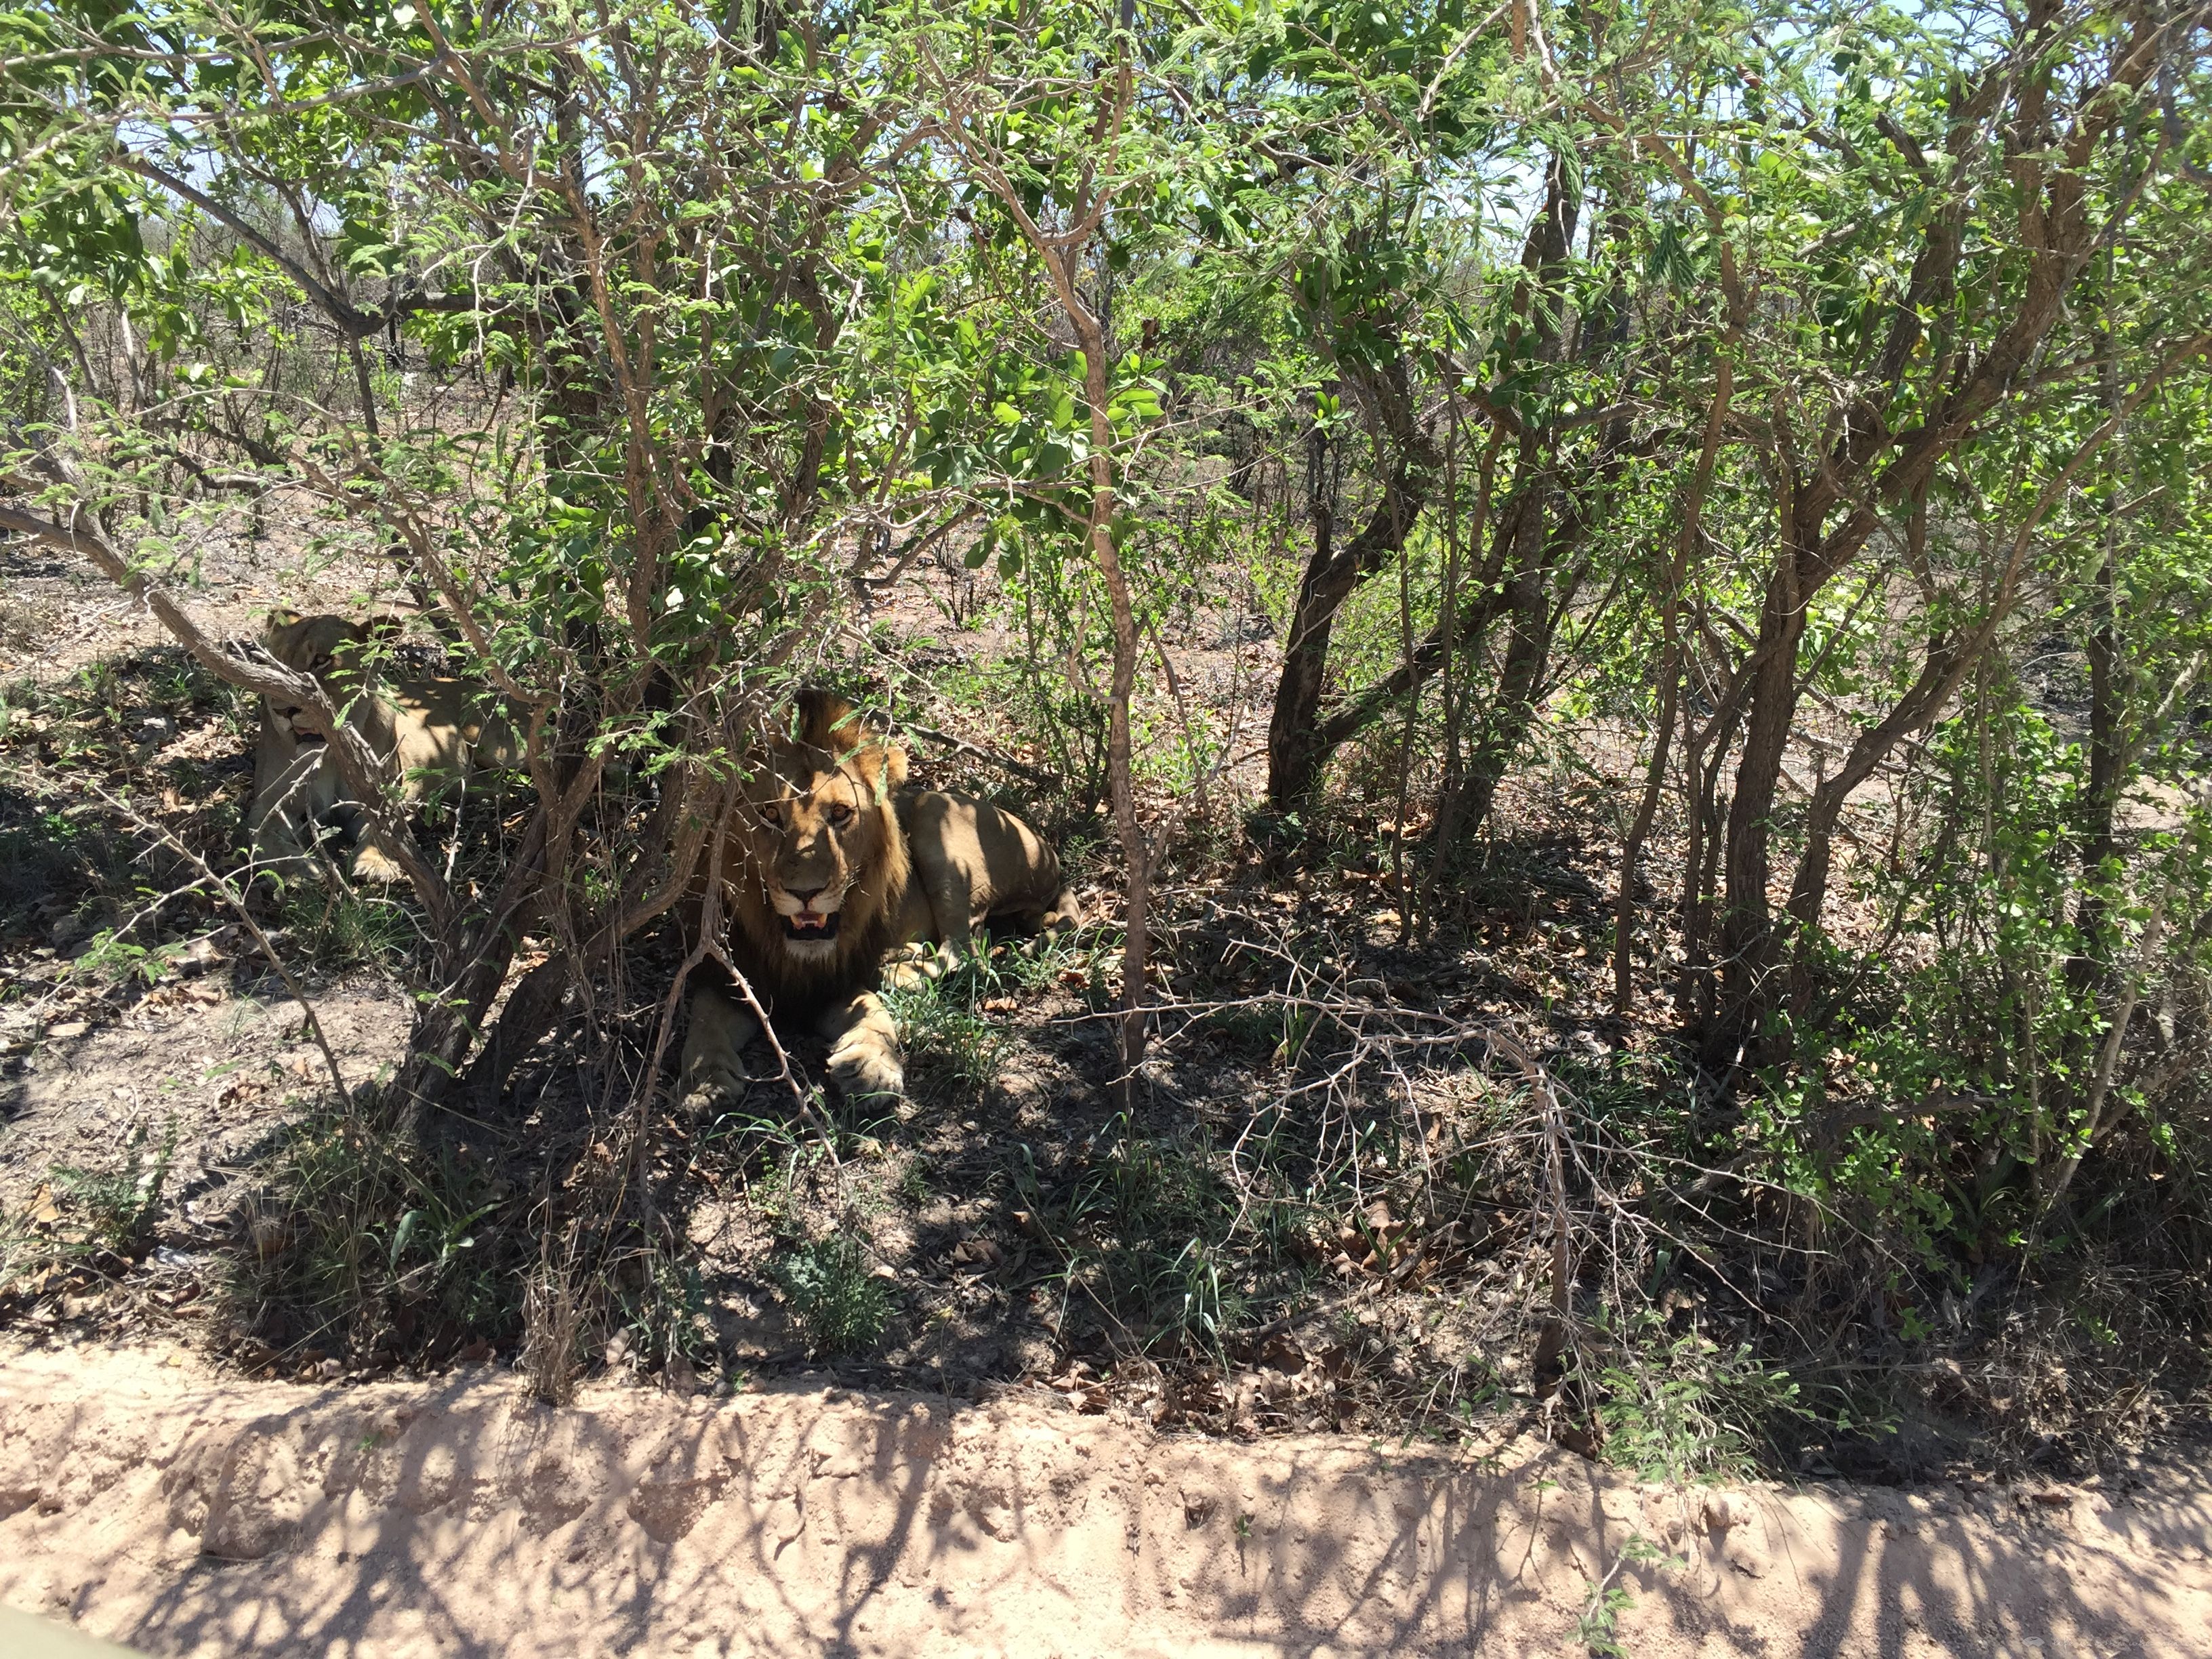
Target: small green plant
(1148,1228)
(668,1318)
(337,929)
(956,1047)
(358,1238)
(770,1154)
(840,1307)
(119,1204)
(912,1185)
(1037,964)
(1197,1315)
(118,959)
(1266,1029)
(1692,1410)
(1598,1625)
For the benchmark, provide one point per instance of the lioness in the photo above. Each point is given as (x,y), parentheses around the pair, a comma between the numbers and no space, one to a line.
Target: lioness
(436,729)
(829,861)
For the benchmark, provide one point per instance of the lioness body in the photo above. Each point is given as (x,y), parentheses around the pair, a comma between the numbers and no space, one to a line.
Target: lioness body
(829,862)
(436,731)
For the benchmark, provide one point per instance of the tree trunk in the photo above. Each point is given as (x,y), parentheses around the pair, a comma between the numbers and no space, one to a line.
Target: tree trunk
(1136,854)
(2100,807)
(1542,305)
(1299,745)
(1670,676)
(1529,614)
(447,1024)
(1808,891)
(1293,768)
(1749,947)
(1647,810)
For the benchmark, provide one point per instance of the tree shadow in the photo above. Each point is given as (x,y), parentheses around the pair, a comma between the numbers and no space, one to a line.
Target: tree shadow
(462,1518)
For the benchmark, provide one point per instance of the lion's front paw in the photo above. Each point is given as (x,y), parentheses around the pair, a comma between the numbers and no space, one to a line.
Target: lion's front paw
(714,1068)
(712,1082)
(1064,915)
(862,1064)
(916,964)
(373,864)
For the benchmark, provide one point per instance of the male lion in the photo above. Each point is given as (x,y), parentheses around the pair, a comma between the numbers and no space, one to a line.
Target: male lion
(436,729)
(830,861)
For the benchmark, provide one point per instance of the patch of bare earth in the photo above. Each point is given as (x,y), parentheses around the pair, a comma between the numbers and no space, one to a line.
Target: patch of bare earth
(188,1514)
(223,1069)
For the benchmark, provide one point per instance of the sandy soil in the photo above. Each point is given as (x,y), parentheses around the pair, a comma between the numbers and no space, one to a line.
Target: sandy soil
(190,1515)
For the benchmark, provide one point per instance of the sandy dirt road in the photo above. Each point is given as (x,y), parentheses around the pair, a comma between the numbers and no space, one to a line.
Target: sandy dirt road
(192,1515)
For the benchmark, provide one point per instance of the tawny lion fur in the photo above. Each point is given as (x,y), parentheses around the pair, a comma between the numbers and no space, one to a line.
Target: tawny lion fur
(829,861)
(435,730)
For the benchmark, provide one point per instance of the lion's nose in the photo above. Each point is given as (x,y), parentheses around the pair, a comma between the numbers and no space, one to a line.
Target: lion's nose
(805,895)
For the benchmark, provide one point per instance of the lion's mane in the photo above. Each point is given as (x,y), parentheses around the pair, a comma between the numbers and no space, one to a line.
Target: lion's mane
(823,732)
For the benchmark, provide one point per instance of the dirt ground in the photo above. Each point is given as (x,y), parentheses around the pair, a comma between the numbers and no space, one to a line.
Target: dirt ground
(188,1514)
(224,1066)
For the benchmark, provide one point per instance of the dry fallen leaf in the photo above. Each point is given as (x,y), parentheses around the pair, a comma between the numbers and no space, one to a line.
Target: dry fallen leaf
(977,1252)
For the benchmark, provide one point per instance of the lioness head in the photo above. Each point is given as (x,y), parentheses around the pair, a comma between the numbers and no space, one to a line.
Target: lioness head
(327,648)
(818,836)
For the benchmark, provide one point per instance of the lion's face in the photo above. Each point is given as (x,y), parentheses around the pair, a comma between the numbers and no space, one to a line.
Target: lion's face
(819,830)
(327,648)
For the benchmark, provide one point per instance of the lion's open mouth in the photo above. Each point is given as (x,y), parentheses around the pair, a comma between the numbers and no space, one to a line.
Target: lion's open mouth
(307,739)
(811,924)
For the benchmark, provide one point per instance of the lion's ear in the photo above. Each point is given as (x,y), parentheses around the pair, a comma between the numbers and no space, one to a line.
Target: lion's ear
(383,625)
(281,616)
(815,716)
(877,723)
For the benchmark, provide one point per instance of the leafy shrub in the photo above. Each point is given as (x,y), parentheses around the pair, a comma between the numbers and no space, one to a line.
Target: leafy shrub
(120,1205)
(839,1306)
(1694,1411)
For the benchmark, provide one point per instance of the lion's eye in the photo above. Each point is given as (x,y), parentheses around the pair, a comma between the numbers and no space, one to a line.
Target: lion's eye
(769,816)
(840,815)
